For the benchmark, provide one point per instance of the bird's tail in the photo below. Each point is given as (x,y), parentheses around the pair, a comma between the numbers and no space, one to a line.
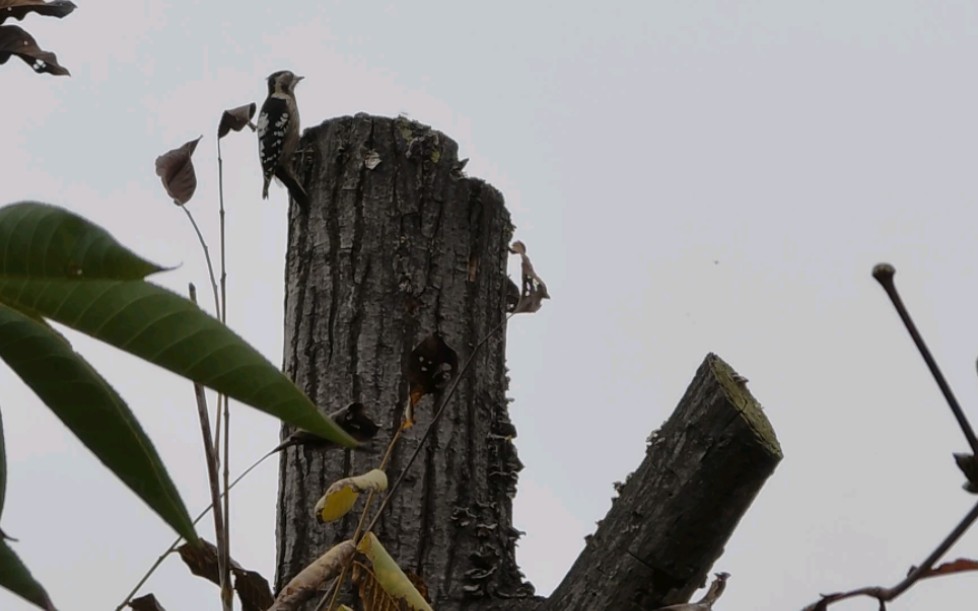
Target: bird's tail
(296,190)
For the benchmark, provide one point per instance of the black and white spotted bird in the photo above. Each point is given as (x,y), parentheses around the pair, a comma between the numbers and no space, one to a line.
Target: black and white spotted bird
(278,134)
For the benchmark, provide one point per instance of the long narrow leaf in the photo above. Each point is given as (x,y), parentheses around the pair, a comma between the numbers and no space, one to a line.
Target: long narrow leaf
(92,410)
(15,577)
(3,470)
(42,241)
(60,266)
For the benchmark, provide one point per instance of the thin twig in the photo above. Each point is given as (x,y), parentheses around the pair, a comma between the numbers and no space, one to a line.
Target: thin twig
(222,400)
(211,458)
(176,542)
(207,256)
(884,595)
(883,273)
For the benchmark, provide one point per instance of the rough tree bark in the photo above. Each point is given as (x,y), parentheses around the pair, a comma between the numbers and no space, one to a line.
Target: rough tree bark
(383,257)
(701,472)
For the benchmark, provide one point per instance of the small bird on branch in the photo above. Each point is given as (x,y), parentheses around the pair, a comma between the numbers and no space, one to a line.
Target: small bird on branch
(278,134)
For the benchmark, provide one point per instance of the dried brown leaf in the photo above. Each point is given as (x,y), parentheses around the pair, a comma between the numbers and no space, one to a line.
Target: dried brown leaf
(146,603)
(18,9)
(176,169)
(201,559)
(308,582)
(253,589)
(534,290)
(236,119)
(961,565)
(15,41)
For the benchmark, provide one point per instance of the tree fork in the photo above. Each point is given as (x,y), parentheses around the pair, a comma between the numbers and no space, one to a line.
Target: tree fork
(396,244)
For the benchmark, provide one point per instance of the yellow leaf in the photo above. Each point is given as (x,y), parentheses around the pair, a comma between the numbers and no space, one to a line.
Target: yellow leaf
(389,575)
(342,494)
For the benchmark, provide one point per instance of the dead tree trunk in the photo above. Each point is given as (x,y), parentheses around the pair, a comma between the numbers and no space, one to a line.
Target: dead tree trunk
(385,255)
(389,253)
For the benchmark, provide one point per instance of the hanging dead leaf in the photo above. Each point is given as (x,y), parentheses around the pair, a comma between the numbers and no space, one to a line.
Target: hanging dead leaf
(342,494)
(389,576)
(353,419)
(307,583)
(15,41)
(534,290)
(371,159)
(236,119)
(201,559)
(253,589)
(146,603)
(176,169)
(18,9)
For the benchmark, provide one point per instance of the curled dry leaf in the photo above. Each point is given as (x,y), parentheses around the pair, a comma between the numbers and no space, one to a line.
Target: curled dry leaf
(389,575)
(306,584)
(371,159)
(201,559)
(236,119)
(534,290)
(146,603)
(353,419)
(253,589)
(176,169)
(18,9)
(15,41)
(342,494)
(961,565)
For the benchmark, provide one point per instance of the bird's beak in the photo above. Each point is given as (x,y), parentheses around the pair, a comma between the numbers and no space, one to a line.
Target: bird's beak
(298,78)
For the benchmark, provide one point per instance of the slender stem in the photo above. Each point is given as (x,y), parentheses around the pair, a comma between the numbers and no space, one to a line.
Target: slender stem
(883,273)
(211,458)
(222,400)
(928,563)
(176,542)
(884,595)
(207,256)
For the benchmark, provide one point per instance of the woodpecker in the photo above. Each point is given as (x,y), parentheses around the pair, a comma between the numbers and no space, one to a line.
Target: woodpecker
(278,133)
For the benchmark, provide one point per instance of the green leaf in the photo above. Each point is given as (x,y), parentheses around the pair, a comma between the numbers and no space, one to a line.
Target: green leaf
(83,278)
(92,410)
(15,577)
(3,470)
(42,241)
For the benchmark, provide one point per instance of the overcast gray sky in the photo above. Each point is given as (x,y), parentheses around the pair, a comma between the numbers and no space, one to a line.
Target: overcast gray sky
(688,177)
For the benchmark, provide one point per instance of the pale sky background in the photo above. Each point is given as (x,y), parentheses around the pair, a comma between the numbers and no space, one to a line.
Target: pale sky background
(688,177)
